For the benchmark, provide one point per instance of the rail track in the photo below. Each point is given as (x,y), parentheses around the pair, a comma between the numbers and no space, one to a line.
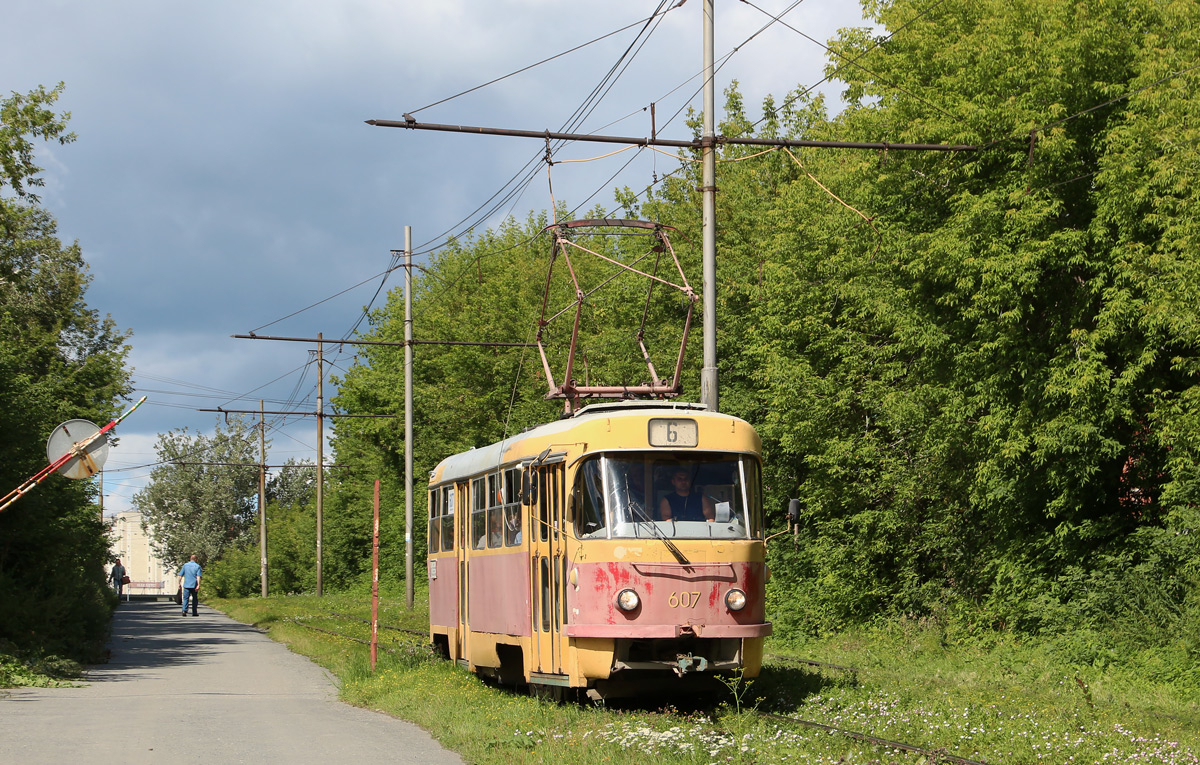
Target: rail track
(299,622)
(938,755)
(935,755)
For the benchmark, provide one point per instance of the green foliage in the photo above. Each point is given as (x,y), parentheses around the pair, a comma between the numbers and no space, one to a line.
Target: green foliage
(1018,702)
(41,672)
(235,575)
(291,542)
(59,360)
(24,118)
(977,371)
(202,498)
(982,395)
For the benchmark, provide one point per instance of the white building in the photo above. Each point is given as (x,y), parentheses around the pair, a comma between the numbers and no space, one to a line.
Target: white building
(147,574)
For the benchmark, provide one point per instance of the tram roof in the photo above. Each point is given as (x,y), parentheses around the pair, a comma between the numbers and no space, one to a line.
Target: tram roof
(490,457)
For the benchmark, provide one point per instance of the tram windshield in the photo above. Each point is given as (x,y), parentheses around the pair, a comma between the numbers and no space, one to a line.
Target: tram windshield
(681,496)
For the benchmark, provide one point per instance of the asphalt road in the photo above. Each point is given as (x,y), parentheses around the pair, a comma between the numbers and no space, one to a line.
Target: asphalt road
(201,689)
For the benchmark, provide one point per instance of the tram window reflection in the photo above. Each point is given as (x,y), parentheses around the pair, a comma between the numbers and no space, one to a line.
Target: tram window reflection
(478,513)
(512,507)
(435,521)
(589,493)
(447,508)
(640,494)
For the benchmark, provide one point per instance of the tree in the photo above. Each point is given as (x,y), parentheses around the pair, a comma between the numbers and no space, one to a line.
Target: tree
(22,119)
(203,498)
(985,394)
(59,360)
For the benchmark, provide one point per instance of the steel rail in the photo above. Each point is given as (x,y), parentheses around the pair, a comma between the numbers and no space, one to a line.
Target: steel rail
(937,755)
(810,662)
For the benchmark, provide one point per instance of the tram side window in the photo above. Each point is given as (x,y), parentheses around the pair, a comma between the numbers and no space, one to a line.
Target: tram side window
(435,521)
(478,513)
(589,498)
(544,503)
(495,511)
(512,507)
(447,506)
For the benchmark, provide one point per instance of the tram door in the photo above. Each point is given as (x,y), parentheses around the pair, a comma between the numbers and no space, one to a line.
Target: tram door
(462,520)
(546,561)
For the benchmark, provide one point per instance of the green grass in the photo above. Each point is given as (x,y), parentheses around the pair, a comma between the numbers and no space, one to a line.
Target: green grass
(1008,703)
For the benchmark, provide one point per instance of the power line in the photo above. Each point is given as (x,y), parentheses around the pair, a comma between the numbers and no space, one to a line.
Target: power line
(533,66)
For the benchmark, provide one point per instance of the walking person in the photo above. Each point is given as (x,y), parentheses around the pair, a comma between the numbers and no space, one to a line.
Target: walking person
(118,578)
(189,580)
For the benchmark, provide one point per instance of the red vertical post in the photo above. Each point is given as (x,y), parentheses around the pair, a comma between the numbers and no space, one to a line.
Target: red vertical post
(375,583)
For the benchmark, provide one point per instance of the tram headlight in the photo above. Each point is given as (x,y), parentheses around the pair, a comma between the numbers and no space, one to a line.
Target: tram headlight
(628,600)
(735,600)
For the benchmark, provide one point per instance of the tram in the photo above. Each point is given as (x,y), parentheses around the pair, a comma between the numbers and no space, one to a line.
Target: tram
(616,551)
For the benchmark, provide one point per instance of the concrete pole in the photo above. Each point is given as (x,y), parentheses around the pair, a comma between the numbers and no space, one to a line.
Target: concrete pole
(708,373)
(408,419)
(320,459)
(262,498)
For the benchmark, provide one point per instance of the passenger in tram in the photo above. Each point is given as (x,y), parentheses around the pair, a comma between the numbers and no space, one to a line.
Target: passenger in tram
(512,527)
(495,535)
(681,504)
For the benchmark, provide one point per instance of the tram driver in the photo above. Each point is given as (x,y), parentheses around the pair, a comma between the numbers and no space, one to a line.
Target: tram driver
(681,504)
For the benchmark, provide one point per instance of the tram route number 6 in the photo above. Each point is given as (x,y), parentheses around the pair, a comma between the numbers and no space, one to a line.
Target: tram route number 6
(673,432)
(683,599)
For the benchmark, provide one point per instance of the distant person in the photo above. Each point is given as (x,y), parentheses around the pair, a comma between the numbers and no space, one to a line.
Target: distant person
(118,577)
(189,580)
(681,504)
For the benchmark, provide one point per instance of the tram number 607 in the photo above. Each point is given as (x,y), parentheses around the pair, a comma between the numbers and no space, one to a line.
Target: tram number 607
(683,599)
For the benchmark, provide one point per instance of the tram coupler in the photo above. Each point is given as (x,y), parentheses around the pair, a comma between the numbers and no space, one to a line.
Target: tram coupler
(685,662)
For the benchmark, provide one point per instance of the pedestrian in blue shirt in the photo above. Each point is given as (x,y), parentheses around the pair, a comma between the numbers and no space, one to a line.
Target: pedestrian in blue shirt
(189,580)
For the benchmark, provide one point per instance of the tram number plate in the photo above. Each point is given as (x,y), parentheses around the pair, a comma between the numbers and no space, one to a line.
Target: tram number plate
(683,599)
(673,432)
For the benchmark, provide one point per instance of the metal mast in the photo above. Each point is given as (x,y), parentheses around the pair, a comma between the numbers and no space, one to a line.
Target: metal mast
(408,420)
(708,373)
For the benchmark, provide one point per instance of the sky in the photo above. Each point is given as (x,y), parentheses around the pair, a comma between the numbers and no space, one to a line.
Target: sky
(224,180)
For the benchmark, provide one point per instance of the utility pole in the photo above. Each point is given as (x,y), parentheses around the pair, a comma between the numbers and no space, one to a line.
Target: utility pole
(320,460)
(262,498)
(708,373)
(408,421)
(706,145)
(320,413)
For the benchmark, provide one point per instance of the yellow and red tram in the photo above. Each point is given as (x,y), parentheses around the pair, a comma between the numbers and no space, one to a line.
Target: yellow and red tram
(615,551)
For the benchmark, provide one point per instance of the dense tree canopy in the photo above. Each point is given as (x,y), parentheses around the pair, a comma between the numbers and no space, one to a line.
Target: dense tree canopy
(202,498)
(59,360)
(976,370)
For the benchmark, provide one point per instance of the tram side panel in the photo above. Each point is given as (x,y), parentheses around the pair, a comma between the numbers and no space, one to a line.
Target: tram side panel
(498,607)
(443,600)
